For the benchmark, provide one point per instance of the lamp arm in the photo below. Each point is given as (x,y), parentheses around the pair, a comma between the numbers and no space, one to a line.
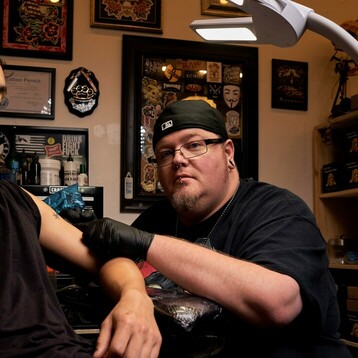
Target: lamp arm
(340,37)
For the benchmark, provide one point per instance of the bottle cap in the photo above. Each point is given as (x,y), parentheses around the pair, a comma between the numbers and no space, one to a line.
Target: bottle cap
(14,164)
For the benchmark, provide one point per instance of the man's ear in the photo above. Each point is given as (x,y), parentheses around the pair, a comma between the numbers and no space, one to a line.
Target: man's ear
(229,148)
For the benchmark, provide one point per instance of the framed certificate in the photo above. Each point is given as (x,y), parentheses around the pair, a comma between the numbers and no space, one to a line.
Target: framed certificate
(30,92)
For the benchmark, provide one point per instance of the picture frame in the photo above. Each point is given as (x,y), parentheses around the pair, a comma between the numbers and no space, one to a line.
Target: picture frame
(47,35)
(47,142)
(220,8)
(289,85)
(171,69)
(110,14)
(30,92)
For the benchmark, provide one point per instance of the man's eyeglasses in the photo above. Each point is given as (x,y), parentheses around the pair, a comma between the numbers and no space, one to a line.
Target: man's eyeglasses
(187,150)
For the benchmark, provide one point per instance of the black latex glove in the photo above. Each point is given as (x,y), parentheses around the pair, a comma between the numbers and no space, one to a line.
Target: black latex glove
(78,217)
(109,238)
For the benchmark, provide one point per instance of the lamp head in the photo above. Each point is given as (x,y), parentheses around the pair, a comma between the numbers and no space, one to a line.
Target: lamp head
(276,22)
(226,30)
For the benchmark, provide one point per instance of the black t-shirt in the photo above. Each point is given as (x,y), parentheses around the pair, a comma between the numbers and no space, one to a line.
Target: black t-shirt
(32,323)
(274,228)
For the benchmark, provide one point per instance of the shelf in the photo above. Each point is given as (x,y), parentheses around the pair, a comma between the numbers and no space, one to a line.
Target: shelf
(343,266)
(345,120)
(335,211)
(348,193)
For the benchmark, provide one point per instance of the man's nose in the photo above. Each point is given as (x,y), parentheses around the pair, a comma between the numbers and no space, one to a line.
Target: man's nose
(178,156)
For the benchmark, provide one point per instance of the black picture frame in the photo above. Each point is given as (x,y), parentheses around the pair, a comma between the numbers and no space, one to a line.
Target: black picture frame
(289,85)
(41,36)
(109,15)
(47,142)
(137,51)
(30,92)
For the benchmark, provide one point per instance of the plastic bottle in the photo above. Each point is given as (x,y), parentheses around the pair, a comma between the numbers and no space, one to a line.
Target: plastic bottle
(83,177)
(24,169)
(50,171)
(35,170)
(128,186)
(14,170)
(62,173)
(70,171)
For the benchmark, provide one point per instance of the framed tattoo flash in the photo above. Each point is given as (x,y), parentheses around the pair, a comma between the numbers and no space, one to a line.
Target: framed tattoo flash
(37,28)
(289,85)
(157,72)
(134,15)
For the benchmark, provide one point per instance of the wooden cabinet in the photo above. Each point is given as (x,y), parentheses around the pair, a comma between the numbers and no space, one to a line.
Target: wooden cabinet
(336,208)
(336,211)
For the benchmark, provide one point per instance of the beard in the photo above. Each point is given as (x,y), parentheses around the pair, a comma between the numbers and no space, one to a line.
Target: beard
(183,201)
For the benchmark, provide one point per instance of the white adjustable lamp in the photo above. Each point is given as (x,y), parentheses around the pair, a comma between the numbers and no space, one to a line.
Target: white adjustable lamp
(276,22)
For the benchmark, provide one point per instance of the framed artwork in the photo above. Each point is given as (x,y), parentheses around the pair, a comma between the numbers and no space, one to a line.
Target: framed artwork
(37,29)
(46,142)
(158,71)
(30,92)
(135,15)
(220,8)
(289,85)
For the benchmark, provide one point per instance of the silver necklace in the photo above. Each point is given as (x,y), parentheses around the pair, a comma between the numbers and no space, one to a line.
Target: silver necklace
(221,215)
(216,222)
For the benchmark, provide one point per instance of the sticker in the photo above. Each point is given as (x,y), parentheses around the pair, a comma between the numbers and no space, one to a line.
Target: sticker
(149,181)
(128,186)
(81,92)
(214,70)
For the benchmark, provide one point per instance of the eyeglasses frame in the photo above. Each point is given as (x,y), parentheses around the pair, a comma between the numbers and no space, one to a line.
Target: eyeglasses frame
(206,141)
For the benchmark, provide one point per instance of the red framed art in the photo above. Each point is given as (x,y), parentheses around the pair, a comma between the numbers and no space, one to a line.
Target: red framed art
(37,29)
(135,15)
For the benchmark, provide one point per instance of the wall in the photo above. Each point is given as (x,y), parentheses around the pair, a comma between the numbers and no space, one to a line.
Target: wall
(285,157)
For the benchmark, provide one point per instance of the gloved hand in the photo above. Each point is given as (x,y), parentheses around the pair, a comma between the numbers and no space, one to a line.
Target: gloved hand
(78,217)
(109,238)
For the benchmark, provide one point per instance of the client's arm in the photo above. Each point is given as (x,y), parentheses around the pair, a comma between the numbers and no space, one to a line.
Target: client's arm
(130,328)
(129,318)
